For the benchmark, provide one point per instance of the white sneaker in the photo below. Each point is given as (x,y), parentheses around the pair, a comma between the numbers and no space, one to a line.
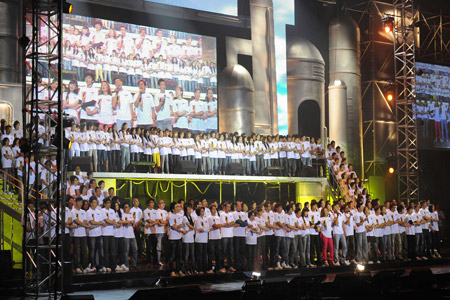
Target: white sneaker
(87,270)
(108,270)
(278,267)
(370,262)
(118,269)
(102,270)
(78,271)
(353,261)
(347,263)
(424,258)
(124,268)
(93,270)
(378,262)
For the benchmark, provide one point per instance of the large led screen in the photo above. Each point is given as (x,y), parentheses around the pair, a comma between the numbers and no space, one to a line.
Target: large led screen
(113,71)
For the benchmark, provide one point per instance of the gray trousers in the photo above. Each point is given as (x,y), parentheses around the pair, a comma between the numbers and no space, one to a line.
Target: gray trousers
(361,246)
(130,243)
(339,239)
(396,244)
(387,247)
(290,250)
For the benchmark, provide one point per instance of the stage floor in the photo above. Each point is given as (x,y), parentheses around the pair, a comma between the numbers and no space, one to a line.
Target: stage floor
(146,277)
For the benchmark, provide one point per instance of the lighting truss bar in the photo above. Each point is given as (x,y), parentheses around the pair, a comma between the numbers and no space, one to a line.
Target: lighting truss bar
(405,80)
(42,58)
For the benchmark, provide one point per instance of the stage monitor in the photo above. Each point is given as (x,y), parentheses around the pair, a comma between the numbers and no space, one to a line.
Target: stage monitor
(432,105)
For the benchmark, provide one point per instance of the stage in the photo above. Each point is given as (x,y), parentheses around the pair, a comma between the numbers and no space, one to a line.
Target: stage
(220,187)
(401,278)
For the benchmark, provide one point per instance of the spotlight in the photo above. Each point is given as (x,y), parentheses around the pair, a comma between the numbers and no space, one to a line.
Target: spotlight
(67,7)
(392,162)
(256,275)
(389,91)
(360,268)
(388,23)
(390,97)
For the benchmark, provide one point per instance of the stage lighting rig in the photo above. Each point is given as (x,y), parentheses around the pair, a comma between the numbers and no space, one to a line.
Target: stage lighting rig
(391,163)
(388,23)
(389,92)
(67,7)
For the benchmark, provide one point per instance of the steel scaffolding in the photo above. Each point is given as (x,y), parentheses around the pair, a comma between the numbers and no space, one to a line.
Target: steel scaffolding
(405,80)
(42,112)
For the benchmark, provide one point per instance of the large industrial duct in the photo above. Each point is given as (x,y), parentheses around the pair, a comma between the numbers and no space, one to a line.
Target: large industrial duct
(10,60)
(337,117)
(306,88)
(263,41)
(344,52)
(237,105)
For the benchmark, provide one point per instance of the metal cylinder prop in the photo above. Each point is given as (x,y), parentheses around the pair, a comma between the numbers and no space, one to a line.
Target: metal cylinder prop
(337,107)
(344,52)
(236,100)
(306,83)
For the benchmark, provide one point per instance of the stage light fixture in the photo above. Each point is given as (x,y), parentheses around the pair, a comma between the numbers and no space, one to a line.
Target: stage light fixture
(390,96)
(391,162)
(389,91)
(360,268)
(67,7)
(388,23)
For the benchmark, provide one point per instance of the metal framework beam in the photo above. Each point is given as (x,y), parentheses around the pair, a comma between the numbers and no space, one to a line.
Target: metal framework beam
(42,112)
(405,80)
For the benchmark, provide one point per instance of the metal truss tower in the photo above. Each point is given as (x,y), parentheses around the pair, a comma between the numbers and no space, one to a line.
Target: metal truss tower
(42,112)
(405,80)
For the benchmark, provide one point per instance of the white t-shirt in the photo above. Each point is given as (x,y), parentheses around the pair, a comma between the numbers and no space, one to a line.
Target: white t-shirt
(108,230)
(325,224)
(137,213)
(269,218)
(189,236)
(239,215)
(281,218)
(128,231)
(180,105)
(251,237)
(6,162)
(79,215)
(149,215)
(358,218)
(175,220)
(387,229)
(161,214)
(97,216)
(214,234)
(90,94)
(338,229)
(314,217)
(227,232)
(118,231)
(201,237)
(144,113)
(434,224)
(123,111)
(164,112)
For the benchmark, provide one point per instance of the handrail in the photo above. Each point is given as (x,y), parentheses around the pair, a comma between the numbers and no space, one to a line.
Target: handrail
(11,211)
